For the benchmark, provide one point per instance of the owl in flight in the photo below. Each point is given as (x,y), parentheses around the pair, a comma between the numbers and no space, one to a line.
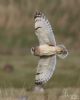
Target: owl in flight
(47,50)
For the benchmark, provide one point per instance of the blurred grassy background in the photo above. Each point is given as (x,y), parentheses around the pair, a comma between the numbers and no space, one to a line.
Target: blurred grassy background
(17,37)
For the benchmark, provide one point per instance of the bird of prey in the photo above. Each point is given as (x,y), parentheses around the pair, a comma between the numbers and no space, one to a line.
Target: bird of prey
(47,50)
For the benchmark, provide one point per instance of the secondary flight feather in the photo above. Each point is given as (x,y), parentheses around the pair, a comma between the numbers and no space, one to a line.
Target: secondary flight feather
(47,50)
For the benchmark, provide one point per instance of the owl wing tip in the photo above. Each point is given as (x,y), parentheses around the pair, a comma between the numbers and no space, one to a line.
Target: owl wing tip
(38,14)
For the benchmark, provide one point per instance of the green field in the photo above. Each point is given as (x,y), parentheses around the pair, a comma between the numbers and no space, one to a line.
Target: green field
(66,73)
(17,37)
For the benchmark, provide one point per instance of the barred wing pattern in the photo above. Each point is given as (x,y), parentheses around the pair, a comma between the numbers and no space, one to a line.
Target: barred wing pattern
(44,32)
(43,29)
(45,69)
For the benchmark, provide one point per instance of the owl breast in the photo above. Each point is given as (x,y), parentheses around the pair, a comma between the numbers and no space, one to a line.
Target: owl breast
(45,50)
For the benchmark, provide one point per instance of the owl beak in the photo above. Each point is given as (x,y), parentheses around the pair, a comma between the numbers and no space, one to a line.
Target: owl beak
(61,51)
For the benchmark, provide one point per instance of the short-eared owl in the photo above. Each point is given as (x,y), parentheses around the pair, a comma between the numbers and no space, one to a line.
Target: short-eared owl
(47,50)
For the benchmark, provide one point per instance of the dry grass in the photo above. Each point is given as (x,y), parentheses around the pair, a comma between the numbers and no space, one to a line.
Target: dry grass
(17,24)
(49,94)
(66,73)
(16,34)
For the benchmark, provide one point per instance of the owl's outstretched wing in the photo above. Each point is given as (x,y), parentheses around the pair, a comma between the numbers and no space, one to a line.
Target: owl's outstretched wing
(45,69)
(43,30)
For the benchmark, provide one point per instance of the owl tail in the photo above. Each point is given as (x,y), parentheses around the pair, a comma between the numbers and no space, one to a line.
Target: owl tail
(63,53)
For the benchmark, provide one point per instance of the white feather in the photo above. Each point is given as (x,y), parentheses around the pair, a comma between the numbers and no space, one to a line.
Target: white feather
(46,67)
(44,30)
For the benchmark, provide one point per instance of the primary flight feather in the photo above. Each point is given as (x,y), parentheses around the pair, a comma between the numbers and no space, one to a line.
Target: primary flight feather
(47,49)
(43,29)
